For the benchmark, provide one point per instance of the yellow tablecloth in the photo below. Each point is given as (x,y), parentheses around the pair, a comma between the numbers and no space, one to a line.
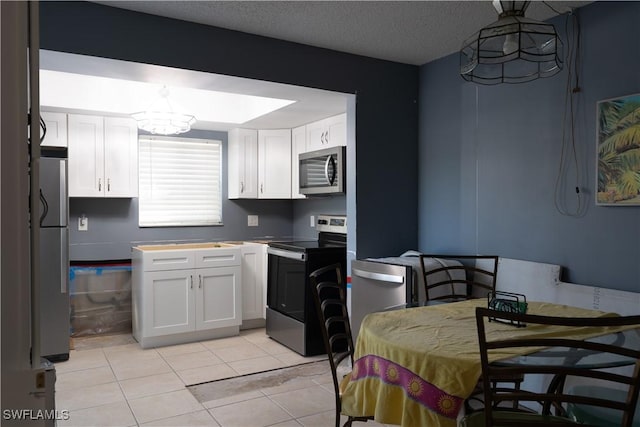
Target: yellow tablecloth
(415,367)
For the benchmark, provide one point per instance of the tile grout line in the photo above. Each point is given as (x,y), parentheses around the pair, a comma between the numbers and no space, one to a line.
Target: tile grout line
(163,357)
(115,381)
(185,387)
(126,399)
(308,415)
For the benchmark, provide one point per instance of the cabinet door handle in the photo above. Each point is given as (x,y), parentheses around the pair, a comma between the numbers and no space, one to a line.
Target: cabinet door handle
(322,138)
(200,281)
(108,184)
(261,190)
(191,277)
(241,187)
(99,184)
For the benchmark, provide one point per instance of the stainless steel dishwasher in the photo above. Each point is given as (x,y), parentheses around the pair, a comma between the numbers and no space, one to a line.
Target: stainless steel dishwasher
(377,285)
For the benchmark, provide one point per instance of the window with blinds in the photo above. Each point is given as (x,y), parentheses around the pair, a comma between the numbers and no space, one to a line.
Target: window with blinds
(179,182)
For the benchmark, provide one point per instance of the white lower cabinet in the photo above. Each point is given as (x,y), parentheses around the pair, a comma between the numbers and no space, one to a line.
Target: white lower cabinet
(185,295)
(254,283)
(168,303)
(218,297)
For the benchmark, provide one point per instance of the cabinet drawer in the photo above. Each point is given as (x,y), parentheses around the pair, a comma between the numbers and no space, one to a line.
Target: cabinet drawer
(168,260)
(217,257)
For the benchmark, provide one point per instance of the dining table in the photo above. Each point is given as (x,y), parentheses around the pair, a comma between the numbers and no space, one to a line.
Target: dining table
(417,366)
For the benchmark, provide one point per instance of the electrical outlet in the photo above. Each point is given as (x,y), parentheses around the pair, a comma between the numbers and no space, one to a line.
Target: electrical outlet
(312,221)
(252,220)
(83,223)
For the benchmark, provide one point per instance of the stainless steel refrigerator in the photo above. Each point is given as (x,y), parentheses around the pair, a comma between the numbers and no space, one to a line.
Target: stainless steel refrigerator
(28,381)
(54,259)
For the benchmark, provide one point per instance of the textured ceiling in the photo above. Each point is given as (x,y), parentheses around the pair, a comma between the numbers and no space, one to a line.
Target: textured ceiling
(411,32)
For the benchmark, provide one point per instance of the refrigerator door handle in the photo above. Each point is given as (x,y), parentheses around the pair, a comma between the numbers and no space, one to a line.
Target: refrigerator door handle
(63,192)
(64,259)
(45,207)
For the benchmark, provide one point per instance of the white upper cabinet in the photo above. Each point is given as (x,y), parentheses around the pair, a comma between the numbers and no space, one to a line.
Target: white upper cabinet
(274,164)
(103,156)
(86,156)
(56,124)
(298,145)
(329,132)
(259,164)
(264,164)
(243,164)
(120,157)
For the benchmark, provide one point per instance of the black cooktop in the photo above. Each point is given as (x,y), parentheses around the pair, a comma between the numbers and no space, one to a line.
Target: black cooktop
(326,241)
(306,245)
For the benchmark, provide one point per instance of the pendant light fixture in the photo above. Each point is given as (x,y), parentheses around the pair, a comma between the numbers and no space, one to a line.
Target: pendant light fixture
(514,49)
(162,118)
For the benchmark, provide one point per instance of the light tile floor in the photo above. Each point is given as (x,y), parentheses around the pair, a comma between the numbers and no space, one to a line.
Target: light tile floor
(108,383)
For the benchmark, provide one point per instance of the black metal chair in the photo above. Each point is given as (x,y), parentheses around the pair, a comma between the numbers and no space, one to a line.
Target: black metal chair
(329,293)
(603,417)
(560,368)
(458,277)
(452,278)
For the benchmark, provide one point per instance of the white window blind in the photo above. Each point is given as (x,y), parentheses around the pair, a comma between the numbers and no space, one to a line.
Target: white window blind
(179,182)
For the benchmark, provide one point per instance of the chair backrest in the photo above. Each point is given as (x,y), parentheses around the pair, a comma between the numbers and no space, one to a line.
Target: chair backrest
(458,277)
(559,356)
(330,296)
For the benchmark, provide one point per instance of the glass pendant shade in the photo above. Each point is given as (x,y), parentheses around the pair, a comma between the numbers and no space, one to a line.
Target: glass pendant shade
(161,118)
(514,49)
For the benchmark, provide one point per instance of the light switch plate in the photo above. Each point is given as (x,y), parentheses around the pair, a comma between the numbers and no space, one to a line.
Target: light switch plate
(252,220)
(83,223)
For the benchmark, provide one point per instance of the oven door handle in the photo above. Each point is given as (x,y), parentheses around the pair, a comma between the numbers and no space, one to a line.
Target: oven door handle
(300,256)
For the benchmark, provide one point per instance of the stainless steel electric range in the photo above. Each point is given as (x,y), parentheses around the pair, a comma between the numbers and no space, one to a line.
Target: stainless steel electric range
(292,318)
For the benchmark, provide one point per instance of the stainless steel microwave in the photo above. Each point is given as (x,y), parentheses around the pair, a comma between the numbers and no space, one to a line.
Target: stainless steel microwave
(323,171)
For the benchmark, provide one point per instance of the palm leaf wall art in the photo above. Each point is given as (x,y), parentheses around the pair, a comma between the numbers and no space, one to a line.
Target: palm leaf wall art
(618,151)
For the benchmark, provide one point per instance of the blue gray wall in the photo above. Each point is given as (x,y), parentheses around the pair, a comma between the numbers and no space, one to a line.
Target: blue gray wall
(303,209)
(489,159)
(386,112)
